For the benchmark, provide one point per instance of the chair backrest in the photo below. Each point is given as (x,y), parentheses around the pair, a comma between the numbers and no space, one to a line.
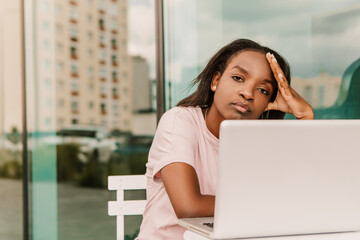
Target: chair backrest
(120,208)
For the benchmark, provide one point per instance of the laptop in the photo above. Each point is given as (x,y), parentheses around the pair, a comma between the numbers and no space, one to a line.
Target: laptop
(279,177)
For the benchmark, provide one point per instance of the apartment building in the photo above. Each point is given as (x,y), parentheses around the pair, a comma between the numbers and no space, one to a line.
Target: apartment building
(320,91)
(83,74)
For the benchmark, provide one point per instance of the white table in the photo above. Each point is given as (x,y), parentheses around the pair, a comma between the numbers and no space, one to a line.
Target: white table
(189,235)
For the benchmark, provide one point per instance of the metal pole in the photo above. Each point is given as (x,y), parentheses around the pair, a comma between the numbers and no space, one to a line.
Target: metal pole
(24,131)
(160,74)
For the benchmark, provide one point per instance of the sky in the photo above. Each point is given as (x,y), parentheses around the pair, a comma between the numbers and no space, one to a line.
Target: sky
(313,36)
(141,21)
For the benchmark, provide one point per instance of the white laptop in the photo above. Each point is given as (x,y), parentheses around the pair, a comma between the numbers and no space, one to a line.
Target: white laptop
(278,177)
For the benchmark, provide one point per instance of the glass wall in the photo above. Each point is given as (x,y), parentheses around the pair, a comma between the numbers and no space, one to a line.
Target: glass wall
(90,88)
(319,40)
(11,192)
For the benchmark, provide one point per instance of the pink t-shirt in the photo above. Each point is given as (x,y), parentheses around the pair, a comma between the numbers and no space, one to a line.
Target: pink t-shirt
(181,136)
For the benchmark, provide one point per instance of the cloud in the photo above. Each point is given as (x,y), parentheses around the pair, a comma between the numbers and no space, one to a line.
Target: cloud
(297,29)
(307,33)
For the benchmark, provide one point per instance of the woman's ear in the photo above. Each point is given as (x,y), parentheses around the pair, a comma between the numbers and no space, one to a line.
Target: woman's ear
(215,81)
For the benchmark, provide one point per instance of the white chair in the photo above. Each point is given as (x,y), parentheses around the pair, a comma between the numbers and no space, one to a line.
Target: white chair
(120,208)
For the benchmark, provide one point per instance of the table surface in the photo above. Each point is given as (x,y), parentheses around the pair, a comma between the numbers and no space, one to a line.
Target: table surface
(189,235)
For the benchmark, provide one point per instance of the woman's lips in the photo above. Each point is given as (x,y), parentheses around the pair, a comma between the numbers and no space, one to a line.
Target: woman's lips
(241,107)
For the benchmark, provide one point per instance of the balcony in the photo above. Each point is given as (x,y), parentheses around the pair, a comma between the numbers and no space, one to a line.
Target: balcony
(74,93)
(74,74)
(73,38)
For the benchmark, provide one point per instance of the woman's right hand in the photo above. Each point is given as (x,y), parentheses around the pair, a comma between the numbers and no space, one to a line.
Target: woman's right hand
(287,100)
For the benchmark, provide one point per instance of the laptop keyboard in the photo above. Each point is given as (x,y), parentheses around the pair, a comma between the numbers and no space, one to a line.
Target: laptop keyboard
(210,225)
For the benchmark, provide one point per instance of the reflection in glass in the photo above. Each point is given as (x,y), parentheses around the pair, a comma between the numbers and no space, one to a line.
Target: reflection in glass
(319,39)
(11,149)
(101,119)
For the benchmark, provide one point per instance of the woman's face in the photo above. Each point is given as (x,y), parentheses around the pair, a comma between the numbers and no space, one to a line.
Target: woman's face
(245,88)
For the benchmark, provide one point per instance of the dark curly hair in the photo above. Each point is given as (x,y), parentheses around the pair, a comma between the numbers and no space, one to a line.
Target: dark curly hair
(204,97)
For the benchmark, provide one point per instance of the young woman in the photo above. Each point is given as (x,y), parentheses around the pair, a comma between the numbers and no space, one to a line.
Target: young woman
(243,80)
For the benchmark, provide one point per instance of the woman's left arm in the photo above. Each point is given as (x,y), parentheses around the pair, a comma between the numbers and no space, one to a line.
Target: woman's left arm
(287,100)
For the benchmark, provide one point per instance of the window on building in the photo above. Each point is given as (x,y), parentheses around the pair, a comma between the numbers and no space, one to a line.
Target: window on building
(91,105)
(47,83)
(102,55)
(102,40)
(73,32)
(48,121)
(59,67)
(59,47)
(124,76)
(114,75)
(116,110)
(89,18)
(308,93)
(60,103)
(123,44)
(59,29)
(103,90)
(103,107)
(73,52)
(91,88)
(45,25)
(58,10)
(74,86)
(90,53)
(73,12)
(60,122)
(90,36)
(115,93)
(74,106)
(49,103)
(114,60)
(44,6)
(73,70)
(60,85)
(113,43)
(113,24)
(101,5)
(101,24)
(102,72)
(90,72)
(46,44)
(46,64)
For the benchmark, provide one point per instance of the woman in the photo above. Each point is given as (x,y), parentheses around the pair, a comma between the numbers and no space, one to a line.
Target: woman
(243,80)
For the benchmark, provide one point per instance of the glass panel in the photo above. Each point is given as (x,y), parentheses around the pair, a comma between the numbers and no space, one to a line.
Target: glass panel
(188,43)
(319,40)
(91,112)
(11,194)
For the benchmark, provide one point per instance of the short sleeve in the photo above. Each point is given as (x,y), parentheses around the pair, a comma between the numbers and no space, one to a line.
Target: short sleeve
(175,141)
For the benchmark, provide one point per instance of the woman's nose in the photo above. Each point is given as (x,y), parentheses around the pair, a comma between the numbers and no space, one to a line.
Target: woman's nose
(247,93)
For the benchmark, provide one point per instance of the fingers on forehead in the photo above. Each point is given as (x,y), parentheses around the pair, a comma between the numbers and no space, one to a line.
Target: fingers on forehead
(275,67)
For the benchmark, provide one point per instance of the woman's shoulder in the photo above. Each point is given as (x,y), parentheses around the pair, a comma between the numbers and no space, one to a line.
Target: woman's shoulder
(182,114)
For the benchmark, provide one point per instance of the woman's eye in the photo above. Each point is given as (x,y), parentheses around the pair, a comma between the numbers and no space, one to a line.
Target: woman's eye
(263,91)
(238,79)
